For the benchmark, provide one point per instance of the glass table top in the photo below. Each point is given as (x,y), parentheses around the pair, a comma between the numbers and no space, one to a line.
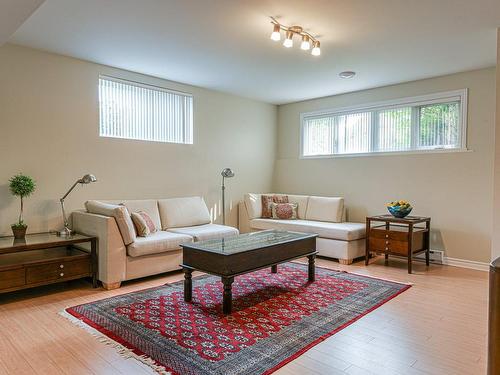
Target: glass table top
(10,244)
(248,241)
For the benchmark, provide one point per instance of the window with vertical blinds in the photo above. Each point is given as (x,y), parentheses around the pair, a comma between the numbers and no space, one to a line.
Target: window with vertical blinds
(431,122)
(137,111)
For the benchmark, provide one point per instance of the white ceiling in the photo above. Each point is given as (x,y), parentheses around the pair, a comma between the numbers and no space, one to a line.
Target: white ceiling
(225,45)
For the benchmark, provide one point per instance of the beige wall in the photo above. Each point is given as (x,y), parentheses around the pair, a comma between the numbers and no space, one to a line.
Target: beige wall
(495,248)
(49,130)
(455,189)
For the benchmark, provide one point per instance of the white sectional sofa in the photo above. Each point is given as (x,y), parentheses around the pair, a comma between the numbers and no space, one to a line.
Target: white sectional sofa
(325,216)
(125,256)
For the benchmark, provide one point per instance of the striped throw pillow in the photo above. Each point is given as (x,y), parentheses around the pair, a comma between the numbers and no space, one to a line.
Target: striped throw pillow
(143,223)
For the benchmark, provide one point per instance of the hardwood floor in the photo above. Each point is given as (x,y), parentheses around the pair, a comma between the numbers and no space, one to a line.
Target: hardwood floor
(436,327)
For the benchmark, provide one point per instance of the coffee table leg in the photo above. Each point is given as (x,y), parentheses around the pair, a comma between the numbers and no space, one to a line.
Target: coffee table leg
(311,269)
(274,269)
(227,301)
(188,285)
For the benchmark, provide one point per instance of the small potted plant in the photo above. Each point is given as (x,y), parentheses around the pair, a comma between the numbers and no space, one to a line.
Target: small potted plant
(21,186)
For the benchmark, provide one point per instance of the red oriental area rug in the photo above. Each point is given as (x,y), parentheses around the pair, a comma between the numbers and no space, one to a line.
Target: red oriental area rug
(276,317)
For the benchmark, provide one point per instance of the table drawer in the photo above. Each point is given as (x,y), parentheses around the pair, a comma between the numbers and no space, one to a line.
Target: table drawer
(389,234)
(59,270)
(12,278)
(392,246)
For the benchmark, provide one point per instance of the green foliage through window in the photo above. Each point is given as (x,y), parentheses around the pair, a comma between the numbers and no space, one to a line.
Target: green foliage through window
(431,126)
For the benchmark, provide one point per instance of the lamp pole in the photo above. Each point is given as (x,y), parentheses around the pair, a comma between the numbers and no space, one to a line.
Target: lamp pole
(226,173)
(223,201)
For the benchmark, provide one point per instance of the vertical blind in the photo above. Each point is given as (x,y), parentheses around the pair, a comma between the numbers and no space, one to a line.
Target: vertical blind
(137,111)
(394,128)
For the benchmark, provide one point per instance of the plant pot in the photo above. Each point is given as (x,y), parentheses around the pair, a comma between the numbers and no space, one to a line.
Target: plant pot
(19,232)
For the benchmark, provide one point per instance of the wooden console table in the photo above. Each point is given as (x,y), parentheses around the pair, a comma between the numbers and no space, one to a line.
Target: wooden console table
(44,258)
(403,237)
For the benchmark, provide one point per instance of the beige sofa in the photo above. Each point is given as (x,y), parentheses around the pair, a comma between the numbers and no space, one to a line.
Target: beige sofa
(325,216)
(178,220)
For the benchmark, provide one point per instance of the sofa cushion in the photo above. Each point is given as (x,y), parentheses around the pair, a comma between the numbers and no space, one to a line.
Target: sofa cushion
(156,243)
(253,203)
(335,231)
(325,209)
(121,215)
(207,231)
(183,212)
(150,206)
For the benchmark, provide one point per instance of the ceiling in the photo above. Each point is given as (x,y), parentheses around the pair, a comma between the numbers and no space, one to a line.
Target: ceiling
(12,15)
(225,45)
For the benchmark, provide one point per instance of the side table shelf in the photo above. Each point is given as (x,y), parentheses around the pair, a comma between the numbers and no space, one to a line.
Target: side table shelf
(43,259)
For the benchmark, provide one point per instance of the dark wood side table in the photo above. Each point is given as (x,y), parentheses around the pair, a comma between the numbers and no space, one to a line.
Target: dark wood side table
(403,237)
(45,258)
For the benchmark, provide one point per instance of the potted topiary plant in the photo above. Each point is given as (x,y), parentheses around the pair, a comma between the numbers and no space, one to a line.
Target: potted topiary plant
(21,186)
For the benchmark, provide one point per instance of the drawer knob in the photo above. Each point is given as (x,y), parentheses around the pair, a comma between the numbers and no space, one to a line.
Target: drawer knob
(386,242)
(386,236)
(386,248)
(61,274)
(61,266)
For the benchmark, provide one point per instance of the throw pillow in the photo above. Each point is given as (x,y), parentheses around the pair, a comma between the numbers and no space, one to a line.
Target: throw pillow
(267,201)
(143,223)
(284,211)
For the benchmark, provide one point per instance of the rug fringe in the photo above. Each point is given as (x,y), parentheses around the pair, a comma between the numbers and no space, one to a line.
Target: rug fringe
(123,351)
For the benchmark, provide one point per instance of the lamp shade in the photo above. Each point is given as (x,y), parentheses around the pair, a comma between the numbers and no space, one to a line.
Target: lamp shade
(227,172)
(276,35)
(288,39)
(87,179)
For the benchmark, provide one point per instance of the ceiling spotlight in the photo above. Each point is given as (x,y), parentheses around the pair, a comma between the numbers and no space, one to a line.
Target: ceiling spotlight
(290,31)
(316,51)
(288,40)
(347,74)
(276,35)
(305,45)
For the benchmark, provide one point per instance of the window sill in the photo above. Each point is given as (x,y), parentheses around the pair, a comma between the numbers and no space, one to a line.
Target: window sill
(399,153)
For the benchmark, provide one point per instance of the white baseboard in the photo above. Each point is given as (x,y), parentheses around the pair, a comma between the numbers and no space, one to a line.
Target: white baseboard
(437,257)
(455,262)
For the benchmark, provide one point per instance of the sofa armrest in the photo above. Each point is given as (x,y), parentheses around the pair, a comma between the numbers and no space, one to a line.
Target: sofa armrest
(111,251)
(344,215)
(243,218)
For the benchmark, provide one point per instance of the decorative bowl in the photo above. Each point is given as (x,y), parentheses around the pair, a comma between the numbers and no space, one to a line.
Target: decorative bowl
(399,212)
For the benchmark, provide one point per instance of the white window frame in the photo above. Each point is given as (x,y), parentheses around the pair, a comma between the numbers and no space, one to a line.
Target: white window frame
(421,100)
(150,87)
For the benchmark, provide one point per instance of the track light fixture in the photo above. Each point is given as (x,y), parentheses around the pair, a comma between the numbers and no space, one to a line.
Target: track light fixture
(307,39)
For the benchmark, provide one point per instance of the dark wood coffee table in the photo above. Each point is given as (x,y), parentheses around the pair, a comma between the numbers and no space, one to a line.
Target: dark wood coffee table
(245,253)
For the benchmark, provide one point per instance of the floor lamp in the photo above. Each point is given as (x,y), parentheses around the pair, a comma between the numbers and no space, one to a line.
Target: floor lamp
(87,179)
(226,173)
